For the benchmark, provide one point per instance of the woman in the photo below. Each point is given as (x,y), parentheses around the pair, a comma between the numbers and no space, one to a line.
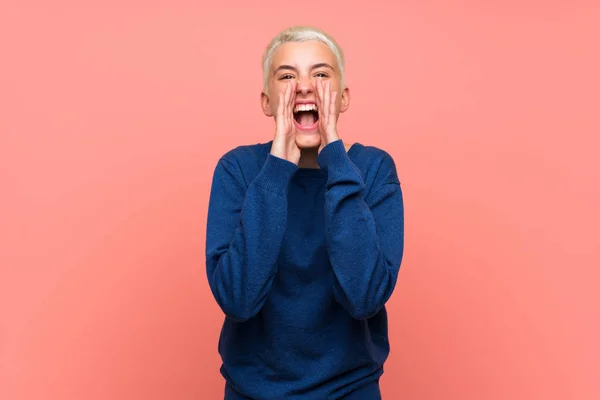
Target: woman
(304,239)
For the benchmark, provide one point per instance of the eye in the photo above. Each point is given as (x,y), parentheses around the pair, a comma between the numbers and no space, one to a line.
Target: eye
(321,75)
(286,76)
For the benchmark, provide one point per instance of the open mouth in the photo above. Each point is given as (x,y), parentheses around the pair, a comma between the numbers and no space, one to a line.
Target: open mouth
(306,116)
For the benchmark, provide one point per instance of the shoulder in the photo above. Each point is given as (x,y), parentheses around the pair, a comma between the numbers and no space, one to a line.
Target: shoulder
(377,165)
(245,160)
(246,153)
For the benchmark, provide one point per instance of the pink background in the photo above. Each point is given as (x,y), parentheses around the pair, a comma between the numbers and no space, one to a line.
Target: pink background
(113,115)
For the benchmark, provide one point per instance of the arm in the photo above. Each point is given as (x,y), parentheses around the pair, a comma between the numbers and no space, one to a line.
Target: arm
(244,233)
(365,237)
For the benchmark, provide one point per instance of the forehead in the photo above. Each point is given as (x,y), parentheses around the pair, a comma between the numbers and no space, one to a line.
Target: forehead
(303,54)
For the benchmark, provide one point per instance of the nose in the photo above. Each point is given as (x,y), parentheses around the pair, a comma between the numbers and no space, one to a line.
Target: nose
(304,85)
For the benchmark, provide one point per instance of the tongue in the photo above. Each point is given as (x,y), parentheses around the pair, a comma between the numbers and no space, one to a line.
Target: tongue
(306,118)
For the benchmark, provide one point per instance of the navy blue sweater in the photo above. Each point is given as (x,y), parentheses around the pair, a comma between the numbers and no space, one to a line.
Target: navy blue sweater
(302,262)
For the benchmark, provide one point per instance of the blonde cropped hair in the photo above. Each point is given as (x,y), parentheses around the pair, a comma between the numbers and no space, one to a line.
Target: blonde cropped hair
(301,34)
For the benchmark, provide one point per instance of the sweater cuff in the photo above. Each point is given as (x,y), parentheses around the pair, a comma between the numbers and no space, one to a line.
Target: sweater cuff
(333,155)
(276,174)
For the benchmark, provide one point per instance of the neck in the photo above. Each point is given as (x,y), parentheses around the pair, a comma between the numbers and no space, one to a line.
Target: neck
(308,159)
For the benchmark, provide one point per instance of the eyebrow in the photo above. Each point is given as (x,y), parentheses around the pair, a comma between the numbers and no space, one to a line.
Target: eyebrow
(291,68)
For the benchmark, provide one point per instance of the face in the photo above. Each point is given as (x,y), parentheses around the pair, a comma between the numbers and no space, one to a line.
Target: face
(304,62)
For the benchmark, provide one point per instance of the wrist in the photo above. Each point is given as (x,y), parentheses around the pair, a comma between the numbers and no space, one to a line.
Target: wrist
(276,174)
(284,155)
(332,137)
(327,140)
(332,155)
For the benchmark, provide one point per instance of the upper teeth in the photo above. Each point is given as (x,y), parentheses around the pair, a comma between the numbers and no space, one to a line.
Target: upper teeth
(305,107)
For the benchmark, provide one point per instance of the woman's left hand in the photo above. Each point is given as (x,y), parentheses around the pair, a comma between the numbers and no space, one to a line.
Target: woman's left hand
(327,109)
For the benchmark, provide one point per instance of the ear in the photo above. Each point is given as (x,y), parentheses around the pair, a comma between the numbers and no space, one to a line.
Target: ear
(265,103)
(345,100)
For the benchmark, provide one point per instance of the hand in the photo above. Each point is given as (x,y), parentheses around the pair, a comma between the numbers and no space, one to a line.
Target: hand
(327,107)
(284,144)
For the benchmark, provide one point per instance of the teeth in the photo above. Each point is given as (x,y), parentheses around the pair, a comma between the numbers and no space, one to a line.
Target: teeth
(305,107)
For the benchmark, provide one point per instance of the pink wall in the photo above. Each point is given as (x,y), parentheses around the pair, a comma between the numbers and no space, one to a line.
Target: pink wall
(107,120)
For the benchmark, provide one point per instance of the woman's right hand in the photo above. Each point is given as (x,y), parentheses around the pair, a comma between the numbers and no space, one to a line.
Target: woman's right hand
(284,144)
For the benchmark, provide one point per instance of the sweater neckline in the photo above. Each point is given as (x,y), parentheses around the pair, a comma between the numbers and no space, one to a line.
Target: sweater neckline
(319,172)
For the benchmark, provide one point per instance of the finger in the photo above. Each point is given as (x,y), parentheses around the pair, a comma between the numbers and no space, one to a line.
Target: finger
(293,98)
(332,104)
(326,96)
(321,107)
(286,99)
(315,88)
(286,104)
(280,104)
(320,97)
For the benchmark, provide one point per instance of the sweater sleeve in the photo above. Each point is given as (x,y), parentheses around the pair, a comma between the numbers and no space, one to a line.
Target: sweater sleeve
(245,229)
(365,236)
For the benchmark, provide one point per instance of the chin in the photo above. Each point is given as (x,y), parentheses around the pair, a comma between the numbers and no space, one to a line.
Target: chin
(308,140)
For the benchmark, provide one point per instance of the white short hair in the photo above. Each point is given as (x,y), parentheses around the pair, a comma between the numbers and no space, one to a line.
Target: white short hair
(301,34)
